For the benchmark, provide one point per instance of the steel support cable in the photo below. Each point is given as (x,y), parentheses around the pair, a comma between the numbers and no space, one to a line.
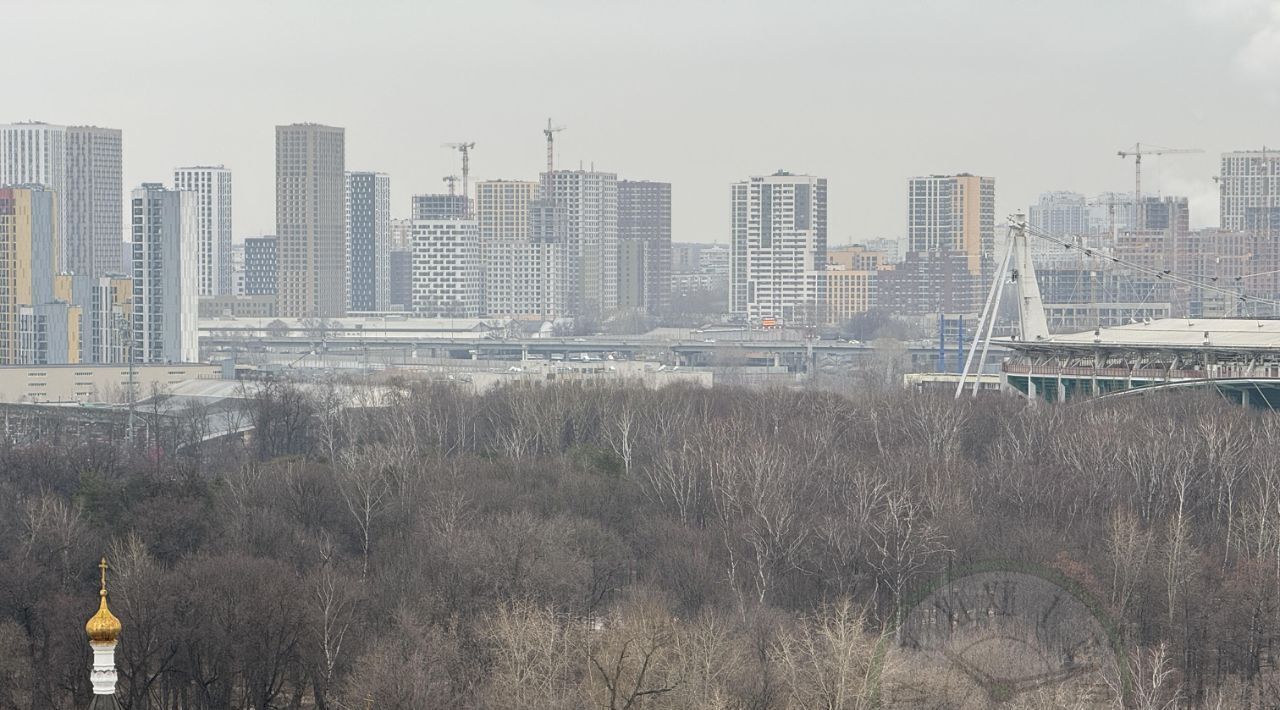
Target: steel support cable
(1166,274)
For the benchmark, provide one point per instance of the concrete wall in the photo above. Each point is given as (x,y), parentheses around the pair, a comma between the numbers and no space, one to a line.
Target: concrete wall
(93,383)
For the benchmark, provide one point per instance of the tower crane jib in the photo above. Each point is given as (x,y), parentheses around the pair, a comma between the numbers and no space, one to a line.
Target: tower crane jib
(1136,153)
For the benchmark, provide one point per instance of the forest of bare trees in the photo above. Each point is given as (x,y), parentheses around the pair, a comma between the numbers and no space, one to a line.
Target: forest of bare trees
(614,547)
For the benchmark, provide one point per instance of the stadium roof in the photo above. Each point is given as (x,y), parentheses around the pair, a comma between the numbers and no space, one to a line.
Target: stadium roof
(1199,334)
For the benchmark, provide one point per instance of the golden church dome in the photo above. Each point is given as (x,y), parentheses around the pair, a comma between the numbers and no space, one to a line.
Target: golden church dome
(103,627)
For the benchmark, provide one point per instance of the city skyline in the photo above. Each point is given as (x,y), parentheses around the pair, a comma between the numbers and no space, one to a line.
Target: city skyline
(640,354)
(690,131)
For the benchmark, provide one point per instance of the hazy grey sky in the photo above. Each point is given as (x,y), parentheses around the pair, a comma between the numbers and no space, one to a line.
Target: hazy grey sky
(1039,95)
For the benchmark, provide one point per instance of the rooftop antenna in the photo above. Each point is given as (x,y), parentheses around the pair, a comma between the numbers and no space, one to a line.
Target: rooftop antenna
(453,184)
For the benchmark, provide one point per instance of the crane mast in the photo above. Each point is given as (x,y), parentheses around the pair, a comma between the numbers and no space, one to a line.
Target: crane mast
(1139,216)
(465,149)
(550,132)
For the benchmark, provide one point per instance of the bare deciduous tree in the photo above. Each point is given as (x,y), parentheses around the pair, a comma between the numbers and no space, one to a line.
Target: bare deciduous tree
(832,660)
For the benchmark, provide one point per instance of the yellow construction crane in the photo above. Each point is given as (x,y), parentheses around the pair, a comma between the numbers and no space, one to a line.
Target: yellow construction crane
(465,149)
(550,132)
(1138,151)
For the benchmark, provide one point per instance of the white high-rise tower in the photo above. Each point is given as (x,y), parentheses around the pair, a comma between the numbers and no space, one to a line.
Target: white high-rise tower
(212,185)
(586,208)
(164,275)
(82,165)
(779,246)
(1249,186)
(36,154)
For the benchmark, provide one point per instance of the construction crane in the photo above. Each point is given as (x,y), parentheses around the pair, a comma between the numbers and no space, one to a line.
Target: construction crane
(1138,151)
(453,183)
(465,149)
(550,132)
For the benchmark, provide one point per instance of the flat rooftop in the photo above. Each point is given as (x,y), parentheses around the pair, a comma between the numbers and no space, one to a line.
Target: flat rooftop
(1168,333)
(391,323)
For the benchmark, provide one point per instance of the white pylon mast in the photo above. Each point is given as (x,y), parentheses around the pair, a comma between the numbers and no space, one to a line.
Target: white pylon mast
(989,309)
(1032,324)
(1018,267)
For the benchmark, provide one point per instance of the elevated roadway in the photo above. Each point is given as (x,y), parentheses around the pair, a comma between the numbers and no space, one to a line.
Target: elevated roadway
(795,355)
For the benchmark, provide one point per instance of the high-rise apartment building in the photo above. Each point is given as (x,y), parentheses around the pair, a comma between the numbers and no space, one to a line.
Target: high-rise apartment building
(1249,200)
(502,209)
(631,272)
(522,274)
(440,207)
(368,241)
(1249,191)
(165,262)
(310,221)
(401,278)
(1166,213)
(38,325)
(212,185)
(81,165)
(928,283)
(521,280)
(447,269)
(849,292)
(93,202)
(953,213)
(1061,214)
(644,236)
(49,334)
(36,154)
(779,247)
(581,214)
(108,305)
(260,266)
(1161,245)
